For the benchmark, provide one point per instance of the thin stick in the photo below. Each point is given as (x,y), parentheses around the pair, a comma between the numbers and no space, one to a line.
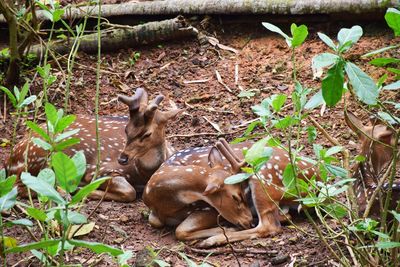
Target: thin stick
(202,134)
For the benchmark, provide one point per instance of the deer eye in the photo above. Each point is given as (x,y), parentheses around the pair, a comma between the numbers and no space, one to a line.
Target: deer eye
(145,136)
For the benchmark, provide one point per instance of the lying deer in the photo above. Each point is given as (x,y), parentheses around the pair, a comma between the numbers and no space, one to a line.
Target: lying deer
(376,145)
(181,180)
(191,194)
(141,138)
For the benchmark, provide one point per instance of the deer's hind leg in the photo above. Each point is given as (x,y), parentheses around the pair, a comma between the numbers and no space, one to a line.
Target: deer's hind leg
(199,224)
(119,189)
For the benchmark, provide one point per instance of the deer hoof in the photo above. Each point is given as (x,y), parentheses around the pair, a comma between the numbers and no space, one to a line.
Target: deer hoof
(209,242)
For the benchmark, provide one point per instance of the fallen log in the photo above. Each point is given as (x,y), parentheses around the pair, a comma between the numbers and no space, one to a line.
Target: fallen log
(128,36)
(227,7)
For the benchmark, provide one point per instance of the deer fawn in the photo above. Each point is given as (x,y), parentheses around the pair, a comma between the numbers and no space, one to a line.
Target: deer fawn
(131,149)
(378,154)
(191,193)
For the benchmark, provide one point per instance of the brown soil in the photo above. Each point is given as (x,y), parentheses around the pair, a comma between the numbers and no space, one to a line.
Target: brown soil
(264,64)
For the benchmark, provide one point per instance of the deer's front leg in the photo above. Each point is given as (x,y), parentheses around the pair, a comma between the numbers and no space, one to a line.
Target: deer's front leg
(199,224)
(118,190)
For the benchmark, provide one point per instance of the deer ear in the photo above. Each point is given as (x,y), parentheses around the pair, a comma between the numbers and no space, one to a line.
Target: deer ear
(214,158)
(211,188)
(387,137)
(354,123)
(165,116)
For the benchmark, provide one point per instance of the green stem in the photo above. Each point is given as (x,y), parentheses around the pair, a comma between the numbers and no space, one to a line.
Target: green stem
(3,245)
(45,63)
(64,237)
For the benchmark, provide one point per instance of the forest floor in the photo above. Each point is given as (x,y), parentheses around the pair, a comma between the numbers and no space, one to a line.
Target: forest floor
(264,66)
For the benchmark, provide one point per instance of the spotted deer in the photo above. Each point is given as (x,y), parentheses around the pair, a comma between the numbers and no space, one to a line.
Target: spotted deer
(132,148)
(177,175)
(188,191)
(376,145)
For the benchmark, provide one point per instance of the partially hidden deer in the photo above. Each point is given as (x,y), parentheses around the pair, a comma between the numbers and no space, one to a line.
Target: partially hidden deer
(171,180)
(191,193)
(132,148)
(377,143)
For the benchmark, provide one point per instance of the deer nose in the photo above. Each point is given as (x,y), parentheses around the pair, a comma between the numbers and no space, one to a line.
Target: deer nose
(123,159)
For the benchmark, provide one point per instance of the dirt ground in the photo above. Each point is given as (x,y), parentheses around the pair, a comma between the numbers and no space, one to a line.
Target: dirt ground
(264,65)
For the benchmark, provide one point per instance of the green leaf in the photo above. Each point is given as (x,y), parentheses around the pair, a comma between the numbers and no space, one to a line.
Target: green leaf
(336,171)
(289,177)
(36,214)
(277,102)
(393,120)
(42,188)
(285,122)
(364,87)
(66,134)
(323,60)
(299,34)
(262,110)
(328,41)
(315,101)
(387,244)
(2,174)
(378,51)
(8,200)
(10,96)
(35,245)
(9,242)
(76,218)
(66,173)
(332,84)
(392,86)
(43,144)
(37,129)
(51,113)
(258,153)
(162,263)
(67,143)
(6,185)
(383,61)
(275,29)
(123,258)
(335,210)
(21,222)
(396,215)
(392,18)
(246,94)
(16,93)
(47,175)
(57,14)
(80,164)
(64,122)
(353,34)
(360,158)
(98,248)
(333,150)
(237,178)
(312,134)
(87,189)
(27,101)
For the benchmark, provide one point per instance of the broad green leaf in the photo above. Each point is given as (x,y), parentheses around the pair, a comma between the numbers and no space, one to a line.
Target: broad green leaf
(123,258)
(16,93)
(57,14)
(41,187)
(258,153)
(299,34)
(21,222)
(323,60)
(393,120)
(381,235)
(328,41)
(48,176)
(333,150)
(392,86)
(98,248)
(275,29)
(387,244)
(335,210)
(392,18)
(277,102)
(80,164)
(7,185)
(237,178)
(27,101)
(10,95)
(285,122)
(51,113)
(353,34)
(76,218)
(364,87)
(378,51)
(66,134)
(65,170)
(35,245)
(332,84)
(383,61)
(262,109)
(41,143)
(2,174)
(336,171)
(36,214)
(289,177)
(64,122)
(382,80)
(67,143)
(8,200)
(360,158)
(87,189)
(315,101)
(37,129)
(24,92)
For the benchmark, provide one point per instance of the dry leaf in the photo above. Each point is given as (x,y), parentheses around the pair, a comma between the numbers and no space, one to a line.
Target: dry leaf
(213,124)
(85,229)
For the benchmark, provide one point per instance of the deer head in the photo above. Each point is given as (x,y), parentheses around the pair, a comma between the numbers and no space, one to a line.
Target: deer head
(145,130)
